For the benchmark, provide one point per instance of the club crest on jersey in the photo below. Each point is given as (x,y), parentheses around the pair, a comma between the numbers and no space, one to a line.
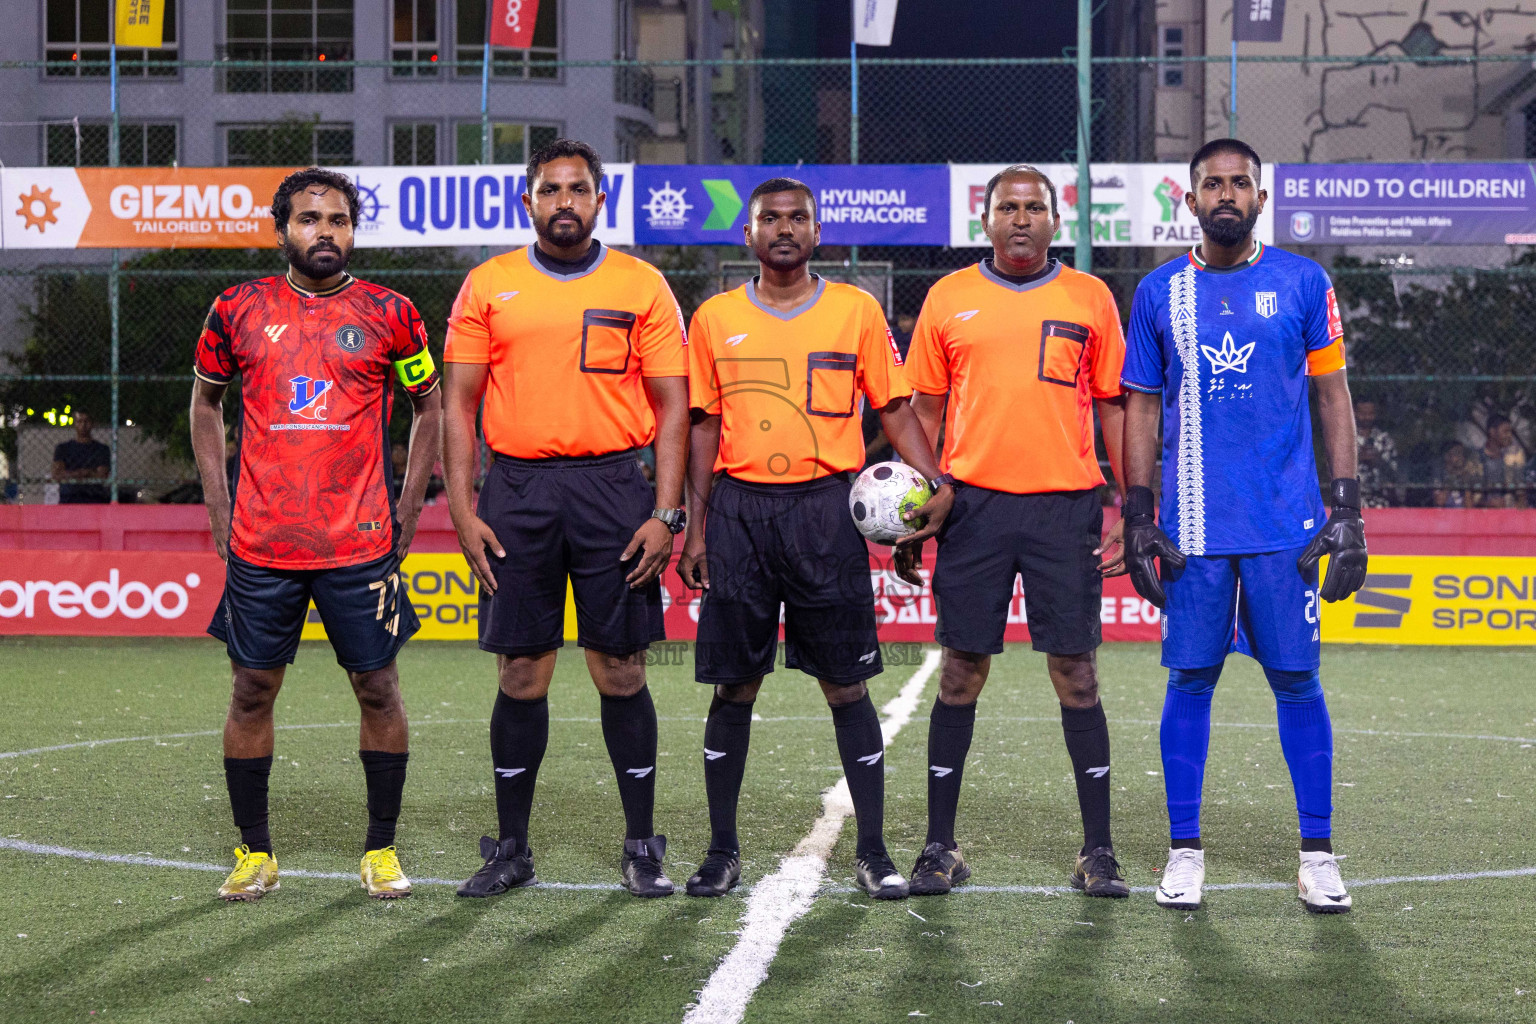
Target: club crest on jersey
(349,337)
(309,397)
(1265,304)
(1229,356)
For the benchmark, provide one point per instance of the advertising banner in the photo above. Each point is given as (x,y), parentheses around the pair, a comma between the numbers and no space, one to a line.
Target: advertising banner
(862,204)
(1132,204)
(1392,204)
(108,593)
(512,23)
(470,205)
(138,207)
(1407,599)
(1428,599)
(230,207)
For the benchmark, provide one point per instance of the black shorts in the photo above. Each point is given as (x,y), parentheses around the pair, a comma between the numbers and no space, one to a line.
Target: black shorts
(367,616)
(1049,539)
(789,543)
(562,518)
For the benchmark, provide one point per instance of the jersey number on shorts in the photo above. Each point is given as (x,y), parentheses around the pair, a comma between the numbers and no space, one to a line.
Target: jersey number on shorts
(389,591)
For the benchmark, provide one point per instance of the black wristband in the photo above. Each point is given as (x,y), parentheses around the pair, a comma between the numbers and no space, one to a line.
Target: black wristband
(1346,492)
(1139,502)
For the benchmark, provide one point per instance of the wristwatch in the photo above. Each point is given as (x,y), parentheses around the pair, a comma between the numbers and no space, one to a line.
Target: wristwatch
(674,518)
(941,480)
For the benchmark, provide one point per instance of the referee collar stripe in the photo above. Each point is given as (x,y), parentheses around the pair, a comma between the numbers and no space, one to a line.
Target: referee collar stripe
(821,286)
(543,267)
(1045,279)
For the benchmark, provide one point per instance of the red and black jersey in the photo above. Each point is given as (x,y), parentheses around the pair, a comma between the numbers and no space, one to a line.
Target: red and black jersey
(313,481)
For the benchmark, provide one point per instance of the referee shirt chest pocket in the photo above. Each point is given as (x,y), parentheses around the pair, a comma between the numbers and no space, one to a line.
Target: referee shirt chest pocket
(830,380)
(1061,351)
(607,336)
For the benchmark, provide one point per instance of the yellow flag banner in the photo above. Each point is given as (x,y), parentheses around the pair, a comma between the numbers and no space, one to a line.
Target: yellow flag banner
(141,23)
(1433,599)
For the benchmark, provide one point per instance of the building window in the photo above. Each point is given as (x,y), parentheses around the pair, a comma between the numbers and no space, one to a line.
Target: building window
(511,142)
(287,30)
(286,143)
(1170,43)
(413,39)
(89,145)
(413,144)
(77,42)
(538,61)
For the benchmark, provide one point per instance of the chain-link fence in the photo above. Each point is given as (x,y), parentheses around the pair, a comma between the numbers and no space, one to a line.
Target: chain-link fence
(1439,340)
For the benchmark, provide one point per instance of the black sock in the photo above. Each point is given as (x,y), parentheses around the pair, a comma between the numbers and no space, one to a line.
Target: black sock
(1307,845)
(1088,744)
(727,734)
(949,737)
(519,734)
(385,773)
(629,730)
(862,749)
(246,778)
(1187,844)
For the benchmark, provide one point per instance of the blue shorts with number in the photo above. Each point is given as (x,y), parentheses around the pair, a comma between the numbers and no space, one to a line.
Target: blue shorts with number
(1258,605)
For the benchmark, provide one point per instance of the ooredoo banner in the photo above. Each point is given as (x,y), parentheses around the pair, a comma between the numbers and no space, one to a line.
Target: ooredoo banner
(108,593)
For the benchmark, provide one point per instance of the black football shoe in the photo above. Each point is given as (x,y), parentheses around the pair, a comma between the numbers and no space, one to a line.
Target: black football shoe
(641,866)
(506,867)
(877,876)
(937,870)
(718,875)
(1098,874)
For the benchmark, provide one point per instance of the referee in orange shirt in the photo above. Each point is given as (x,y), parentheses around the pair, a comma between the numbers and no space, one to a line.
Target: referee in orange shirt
(1022,347)
(776,370)
(579,355)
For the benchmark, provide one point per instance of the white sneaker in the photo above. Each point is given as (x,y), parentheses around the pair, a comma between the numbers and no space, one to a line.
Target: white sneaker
(1183,878)
(1319,885)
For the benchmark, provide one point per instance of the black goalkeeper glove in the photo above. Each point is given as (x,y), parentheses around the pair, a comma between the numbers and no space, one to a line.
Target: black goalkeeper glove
(1342,538)
(1145,542)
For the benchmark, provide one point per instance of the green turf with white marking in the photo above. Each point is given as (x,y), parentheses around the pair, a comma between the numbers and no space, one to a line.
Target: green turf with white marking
(1435,768)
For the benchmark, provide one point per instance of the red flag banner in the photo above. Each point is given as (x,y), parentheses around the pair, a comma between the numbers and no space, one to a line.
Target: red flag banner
(512,23)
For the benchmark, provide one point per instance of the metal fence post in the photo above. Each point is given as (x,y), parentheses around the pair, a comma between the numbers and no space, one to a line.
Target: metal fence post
(853,133)
(114,158)
(1084,249)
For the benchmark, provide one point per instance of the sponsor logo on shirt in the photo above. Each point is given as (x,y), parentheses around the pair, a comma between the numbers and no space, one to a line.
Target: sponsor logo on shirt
(309,398)
(274,331)
(890,339)
(965,315)
(1229,356)
(735,339)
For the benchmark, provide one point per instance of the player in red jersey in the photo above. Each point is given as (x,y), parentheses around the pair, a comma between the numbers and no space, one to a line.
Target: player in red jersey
(311,513)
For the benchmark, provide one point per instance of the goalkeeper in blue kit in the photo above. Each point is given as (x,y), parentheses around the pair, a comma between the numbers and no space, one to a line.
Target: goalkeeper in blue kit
(1221,344)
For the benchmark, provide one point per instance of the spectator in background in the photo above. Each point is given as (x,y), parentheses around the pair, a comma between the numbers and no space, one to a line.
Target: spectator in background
(7,485)
(84,458)
(1472,432)
(1503,466)
(1457,478)
(1378,458)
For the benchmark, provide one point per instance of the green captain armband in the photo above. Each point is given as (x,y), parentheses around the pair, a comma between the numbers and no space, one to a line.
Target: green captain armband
(416,369)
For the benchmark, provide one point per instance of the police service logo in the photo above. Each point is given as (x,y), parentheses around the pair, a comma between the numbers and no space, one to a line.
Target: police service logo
(1265,304)
(349,337)
(1302,225)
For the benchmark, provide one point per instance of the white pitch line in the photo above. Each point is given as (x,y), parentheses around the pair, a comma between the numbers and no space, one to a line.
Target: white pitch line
(786,894)
(1271,726)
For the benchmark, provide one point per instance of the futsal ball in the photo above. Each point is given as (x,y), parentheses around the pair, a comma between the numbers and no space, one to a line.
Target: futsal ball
(881,494)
